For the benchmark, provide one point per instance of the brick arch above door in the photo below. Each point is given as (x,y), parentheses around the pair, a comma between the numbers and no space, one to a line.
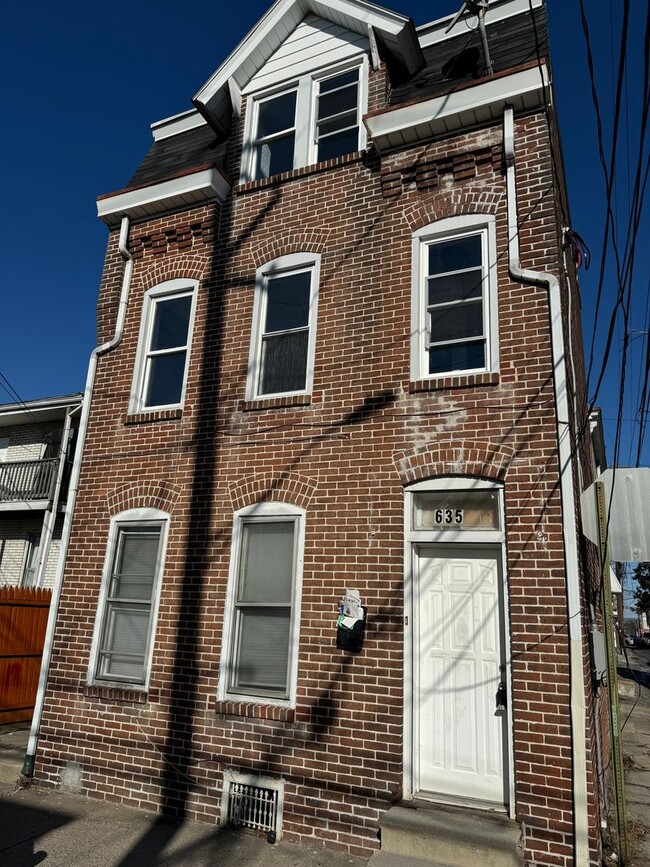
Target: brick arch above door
(476,459)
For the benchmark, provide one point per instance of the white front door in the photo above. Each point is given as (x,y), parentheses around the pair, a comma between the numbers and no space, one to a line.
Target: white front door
(460,734)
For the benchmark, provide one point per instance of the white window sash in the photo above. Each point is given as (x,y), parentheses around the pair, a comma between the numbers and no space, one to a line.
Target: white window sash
(134,519)
(258,513)
(306,124)
(145,356)
(451,229)
(285,265)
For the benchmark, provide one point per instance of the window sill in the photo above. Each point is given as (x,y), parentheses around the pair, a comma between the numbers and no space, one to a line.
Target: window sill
(122,694)
(153,416)
(469,380)
(253,710)
(303,171)
(281,402)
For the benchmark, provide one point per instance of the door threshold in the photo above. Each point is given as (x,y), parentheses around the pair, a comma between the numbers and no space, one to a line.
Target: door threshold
(421,799)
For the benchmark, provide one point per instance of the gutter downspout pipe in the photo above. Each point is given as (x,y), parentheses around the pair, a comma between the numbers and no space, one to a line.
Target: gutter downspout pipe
(571,555)
(102,349)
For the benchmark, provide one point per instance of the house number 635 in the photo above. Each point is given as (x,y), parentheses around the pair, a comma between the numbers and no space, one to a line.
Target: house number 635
(449,516)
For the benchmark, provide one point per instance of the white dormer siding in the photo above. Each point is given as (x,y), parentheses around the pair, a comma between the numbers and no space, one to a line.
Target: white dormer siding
(314,44)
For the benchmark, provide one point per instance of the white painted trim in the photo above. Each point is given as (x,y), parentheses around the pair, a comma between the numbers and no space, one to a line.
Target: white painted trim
(178,123)
(495,542)
(434,31)
(187,190)
(448,229)
(273,783)
(154,517)
(169,288)
(266,511)
(460,109)
(283,264)
(305,86)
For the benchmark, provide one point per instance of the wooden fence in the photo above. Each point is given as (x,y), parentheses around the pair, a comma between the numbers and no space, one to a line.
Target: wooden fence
(23,619)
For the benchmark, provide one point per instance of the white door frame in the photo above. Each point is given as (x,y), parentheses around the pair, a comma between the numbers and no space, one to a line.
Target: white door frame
(493,540)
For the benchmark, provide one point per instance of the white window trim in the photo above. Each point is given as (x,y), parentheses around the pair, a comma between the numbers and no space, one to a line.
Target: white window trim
(160,292)
(132,516)
(268,511)
(449,229)
(305,127)
(284,264)
(4,449)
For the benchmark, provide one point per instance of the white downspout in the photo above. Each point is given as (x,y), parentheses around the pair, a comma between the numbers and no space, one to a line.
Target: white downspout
(50,515)
(30,756)
(577,685)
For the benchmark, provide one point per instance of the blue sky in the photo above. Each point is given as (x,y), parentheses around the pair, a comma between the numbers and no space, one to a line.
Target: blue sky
(82,83)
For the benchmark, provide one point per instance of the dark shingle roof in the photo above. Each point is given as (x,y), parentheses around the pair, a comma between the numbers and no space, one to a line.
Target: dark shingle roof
(179,153)
(513,41)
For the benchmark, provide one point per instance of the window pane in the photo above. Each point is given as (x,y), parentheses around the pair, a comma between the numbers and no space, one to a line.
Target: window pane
(284,363)
(456,510)
(166,375)
(336,102)
(135,566)
(124,642)
(455,255)
(276,114)
(461,356)
(349,77)
(455,287)
(337,145)
(275,156)
(266,569)
(263,650)
(171,323)
(457,322)
(287,301)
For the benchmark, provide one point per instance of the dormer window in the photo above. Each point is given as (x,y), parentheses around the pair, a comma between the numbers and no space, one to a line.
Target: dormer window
(316,118)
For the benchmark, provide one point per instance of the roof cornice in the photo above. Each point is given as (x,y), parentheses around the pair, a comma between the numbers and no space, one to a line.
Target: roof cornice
(186,190)
(464,108)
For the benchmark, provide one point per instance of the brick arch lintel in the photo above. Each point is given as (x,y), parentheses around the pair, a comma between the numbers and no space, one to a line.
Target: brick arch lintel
(181,267)
(453,203)
(477,459)
(143,495)
(286,488)
(290,241)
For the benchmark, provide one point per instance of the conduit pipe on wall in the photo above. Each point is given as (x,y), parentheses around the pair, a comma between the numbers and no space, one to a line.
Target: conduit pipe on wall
(577,685)
(102,349)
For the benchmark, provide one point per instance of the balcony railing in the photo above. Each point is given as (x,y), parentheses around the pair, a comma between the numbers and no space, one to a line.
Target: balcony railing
(27,480)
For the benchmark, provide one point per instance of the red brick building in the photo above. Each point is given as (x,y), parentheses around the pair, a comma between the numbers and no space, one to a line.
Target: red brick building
(340,349)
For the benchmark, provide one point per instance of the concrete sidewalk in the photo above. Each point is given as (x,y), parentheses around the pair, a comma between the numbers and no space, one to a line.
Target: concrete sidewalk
(52,827)
(634,701)
(57,829)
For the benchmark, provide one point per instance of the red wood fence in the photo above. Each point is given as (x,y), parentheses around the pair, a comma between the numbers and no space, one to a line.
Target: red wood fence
(23,618)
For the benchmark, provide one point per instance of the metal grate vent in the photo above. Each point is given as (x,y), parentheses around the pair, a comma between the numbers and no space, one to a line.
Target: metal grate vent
(250,802)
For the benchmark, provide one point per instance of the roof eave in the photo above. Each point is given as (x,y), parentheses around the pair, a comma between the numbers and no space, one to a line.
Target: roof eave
(407,125)
(398,36)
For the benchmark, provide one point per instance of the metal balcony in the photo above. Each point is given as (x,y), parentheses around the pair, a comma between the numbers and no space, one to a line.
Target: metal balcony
(26,481)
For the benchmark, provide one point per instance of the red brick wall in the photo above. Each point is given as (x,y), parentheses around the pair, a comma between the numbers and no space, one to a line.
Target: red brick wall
(345,457)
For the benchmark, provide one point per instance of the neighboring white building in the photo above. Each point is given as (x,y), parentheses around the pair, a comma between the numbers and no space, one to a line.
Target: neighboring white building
(36,447)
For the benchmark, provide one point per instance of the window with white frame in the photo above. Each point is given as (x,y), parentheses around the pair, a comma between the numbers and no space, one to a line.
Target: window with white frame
(164,346)
(261,634)
(284,324)
(316,118)
(454,323)
(125,626)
